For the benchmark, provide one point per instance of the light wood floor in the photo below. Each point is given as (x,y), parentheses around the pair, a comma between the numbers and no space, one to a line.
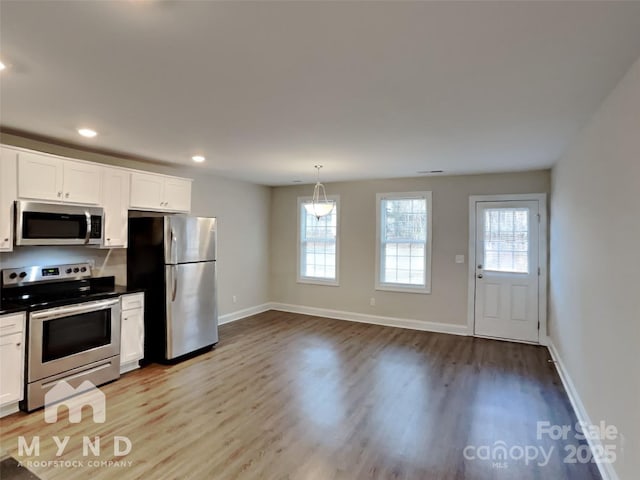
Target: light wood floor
(289,396)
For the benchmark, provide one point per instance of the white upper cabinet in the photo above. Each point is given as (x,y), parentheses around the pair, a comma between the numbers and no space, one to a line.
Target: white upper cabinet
(115,200)
(29,175)
(82,182)
(147,191)
(44,177)
(177,194)
(160,193)
(39,176)
(8,195)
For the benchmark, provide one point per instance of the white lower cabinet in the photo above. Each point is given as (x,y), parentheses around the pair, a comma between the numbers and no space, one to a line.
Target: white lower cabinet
(12,330)
(131,331)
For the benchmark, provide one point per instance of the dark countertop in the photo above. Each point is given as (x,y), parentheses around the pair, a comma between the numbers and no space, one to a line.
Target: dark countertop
(124,290)
(6,308)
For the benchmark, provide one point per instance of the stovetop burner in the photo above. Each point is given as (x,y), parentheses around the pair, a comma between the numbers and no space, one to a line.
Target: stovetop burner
(39,287)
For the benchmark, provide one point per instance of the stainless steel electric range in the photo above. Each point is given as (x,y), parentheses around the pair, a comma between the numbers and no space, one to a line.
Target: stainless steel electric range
(73,327)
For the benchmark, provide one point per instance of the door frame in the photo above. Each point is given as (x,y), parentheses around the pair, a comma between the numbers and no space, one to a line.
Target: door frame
(543,258)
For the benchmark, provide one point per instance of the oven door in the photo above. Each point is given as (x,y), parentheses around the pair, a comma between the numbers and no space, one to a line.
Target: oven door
(52,224)
(64,338)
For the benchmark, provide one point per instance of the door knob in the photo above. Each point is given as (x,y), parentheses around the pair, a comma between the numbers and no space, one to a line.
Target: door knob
(479,266)
(480,275)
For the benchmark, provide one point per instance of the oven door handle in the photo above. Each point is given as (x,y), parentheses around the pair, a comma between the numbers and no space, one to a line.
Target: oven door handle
(73,310)
(88,218)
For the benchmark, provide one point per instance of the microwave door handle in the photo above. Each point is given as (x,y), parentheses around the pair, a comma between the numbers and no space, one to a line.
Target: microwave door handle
(88,218)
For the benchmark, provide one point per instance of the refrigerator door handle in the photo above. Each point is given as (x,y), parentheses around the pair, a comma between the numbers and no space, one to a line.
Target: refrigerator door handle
(172,247)
(174,291)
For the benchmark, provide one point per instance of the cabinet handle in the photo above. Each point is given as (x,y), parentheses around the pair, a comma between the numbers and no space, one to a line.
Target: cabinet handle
(18,344)
(66,195)
(6,239)
(59,194)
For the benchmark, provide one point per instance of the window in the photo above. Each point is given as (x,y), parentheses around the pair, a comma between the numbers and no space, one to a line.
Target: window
(318,245)
(506,240)
(404,248)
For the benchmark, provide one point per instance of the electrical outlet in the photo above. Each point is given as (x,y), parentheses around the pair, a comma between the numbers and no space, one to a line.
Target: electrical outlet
(459,258)
(235,299)
(372,301)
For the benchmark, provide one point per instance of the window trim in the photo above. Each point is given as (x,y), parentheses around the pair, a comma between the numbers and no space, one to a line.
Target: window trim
(314,280)
(399,287)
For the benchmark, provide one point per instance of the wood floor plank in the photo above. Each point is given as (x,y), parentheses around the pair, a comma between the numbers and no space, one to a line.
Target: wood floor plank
(288,396)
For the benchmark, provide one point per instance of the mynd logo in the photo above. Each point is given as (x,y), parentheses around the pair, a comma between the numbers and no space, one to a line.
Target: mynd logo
(62,394)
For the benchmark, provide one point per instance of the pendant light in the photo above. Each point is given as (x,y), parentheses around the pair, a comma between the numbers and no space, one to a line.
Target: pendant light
(319,206)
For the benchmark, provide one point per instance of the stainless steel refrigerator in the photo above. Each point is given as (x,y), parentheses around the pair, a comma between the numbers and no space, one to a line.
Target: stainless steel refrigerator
(173,258)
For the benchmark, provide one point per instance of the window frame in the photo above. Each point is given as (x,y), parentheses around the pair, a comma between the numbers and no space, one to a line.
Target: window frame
(400,287)
(317,280)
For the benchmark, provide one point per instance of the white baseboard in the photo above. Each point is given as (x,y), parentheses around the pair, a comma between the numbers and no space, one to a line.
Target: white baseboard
(240,314)
(606,469)
(373,319)
(9,409)
(128,367)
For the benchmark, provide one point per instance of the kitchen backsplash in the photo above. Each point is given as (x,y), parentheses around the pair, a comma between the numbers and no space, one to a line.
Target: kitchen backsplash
(103,262)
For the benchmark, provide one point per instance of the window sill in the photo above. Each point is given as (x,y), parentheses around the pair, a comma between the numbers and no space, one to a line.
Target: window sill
(318,281)
(403,289)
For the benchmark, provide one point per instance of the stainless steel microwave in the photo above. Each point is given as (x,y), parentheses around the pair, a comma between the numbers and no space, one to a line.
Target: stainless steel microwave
(54,224)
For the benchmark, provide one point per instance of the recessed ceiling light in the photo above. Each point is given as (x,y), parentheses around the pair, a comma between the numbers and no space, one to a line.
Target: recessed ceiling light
(2,66)
(296,181)
(423,172)
(198,158)
(87,132)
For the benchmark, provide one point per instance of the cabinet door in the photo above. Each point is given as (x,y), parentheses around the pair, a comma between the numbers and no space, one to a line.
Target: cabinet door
(11,368)
(115,199)
(8,195)
(39,177)
(131,336)
(147,191)
(177,194)
(82,182)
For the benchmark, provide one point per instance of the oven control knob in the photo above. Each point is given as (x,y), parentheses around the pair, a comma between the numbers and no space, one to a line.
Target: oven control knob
(23,274)
(76,270)
(13,275)
(83,269)
(68,270)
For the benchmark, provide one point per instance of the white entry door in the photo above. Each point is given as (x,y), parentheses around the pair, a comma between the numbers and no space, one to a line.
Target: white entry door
(507,270)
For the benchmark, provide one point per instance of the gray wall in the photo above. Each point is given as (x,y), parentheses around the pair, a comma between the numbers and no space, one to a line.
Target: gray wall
(242,209)
(446,303)
(595,266)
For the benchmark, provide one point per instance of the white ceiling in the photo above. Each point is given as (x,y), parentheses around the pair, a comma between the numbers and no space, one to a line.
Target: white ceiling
(268,89)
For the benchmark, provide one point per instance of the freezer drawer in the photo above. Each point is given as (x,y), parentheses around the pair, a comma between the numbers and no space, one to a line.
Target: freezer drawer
(192,313)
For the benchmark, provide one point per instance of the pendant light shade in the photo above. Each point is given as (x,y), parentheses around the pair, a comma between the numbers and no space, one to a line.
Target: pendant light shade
(319,206)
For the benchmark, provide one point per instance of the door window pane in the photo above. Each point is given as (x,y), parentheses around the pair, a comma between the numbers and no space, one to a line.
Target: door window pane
(506,240)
